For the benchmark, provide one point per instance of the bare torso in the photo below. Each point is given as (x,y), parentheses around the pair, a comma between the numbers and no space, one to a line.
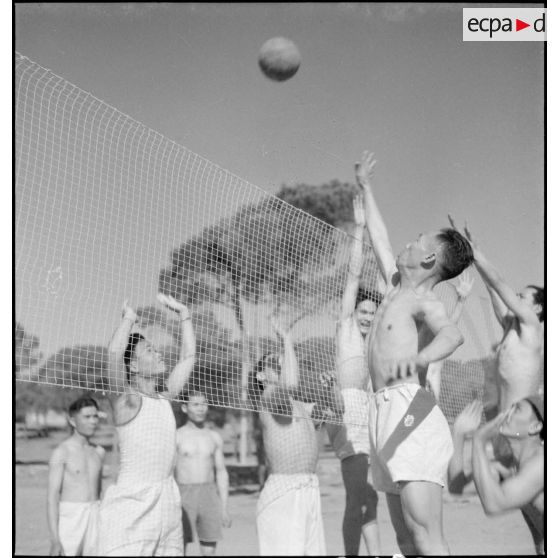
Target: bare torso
(82,471)
(195,462)
(290,443)
(519,360)
(397,333)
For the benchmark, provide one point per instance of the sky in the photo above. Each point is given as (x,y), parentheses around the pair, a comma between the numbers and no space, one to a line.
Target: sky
(457,127)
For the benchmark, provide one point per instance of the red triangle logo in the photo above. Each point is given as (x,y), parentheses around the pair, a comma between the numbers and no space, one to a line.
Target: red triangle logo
(519,25)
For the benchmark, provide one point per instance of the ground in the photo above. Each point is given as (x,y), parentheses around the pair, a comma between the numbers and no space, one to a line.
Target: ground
(467,529)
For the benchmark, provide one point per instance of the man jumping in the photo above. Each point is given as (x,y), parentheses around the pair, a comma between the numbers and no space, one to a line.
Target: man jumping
(410,437)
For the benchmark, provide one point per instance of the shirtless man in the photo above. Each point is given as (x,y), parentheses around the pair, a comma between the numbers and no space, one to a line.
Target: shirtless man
(523,425)
(289,515)
(141,513)
(410,437)
(74,485)
(520,353)
(350,440)
(201,476)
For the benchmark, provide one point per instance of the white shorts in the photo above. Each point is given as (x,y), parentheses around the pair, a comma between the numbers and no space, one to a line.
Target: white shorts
(409,436)
(289,517)
(144,520)
(78,527)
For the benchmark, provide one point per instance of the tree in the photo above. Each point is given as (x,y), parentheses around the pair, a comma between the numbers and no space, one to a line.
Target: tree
(82,366)
(267,251)
(331,203)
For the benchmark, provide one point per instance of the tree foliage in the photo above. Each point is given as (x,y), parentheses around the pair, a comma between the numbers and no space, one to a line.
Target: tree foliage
(331,203)
(81,366)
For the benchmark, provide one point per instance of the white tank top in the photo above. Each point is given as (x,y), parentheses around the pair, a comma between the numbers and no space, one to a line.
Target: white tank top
(148,443)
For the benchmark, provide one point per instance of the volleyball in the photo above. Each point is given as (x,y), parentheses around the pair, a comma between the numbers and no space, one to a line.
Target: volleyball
(279,59)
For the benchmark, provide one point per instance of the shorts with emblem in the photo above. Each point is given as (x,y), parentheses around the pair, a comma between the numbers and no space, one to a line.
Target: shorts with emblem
(201,510)
(409,436)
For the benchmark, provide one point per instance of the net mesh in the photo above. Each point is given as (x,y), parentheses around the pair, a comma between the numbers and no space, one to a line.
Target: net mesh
(107,210)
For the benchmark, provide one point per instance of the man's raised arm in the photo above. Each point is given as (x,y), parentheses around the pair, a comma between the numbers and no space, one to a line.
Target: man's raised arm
(374,222)
(180,375)
(355,262)
(117,346)
(289,371)
(494,280)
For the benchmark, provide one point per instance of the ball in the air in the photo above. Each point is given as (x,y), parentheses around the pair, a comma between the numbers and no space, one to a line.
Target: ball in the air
(279,59)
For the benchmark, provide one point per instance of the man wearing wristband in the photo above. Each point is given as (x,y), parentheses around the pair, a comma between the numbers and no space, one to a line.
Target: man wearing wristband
(141,514)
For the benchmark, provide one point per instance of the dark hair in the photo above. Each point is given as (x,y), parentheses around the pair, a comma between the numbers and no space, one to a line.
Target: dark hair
(457,253)
(133,340)
(255,387)
(537,413)
(365,294)
(539,297)
(193,393)
(81,403)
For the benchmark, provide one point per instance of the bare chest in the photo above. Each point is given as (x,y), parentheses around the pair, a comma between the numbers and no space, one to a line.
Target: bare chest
(82,464)
(199,445)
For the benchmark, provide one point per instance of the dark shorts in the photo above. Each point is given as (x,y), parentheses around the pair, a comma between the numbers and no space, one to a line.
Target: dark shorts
(201,510)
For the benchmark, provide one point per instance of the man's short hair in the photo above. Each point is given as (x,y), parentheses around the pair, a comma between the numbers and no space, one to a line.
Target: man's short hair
(457,254)
(133,340)
(194,393)
(366,294)
(537,404)
(539,297)
(81,403)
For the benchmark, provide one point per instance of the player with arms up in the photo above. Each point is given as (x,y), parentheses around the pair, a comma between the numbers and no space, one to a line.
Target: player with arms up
(74,485)
(350,440)
(289,516)
(141,512)
(201,476)
(520,353)
(410,437)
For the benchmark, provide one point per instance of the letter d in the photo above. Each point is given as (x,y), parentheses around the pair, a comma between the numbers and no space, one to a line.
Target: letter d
(539,25)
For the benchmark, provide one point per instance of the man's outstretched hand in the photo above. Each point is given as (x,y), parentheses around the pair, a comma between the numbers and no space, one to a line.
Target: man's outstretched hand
(364,169)
(128,313)
(174,305)
(464,285)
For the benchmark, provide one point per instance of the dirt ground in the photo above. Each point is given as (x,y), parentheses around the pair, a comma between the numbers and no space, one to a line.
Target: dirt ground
(467,529)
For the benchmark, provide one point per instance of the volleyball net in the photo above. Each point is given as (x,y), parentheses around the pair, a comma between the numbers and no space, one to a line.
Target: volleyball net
(108,210)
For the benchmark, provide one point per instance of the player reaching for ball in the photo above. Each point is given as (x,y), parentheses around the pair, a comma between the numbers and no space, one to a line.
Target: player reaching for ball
(141,513)
(289,515)
(521,315)
(350,440)
(410,437)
